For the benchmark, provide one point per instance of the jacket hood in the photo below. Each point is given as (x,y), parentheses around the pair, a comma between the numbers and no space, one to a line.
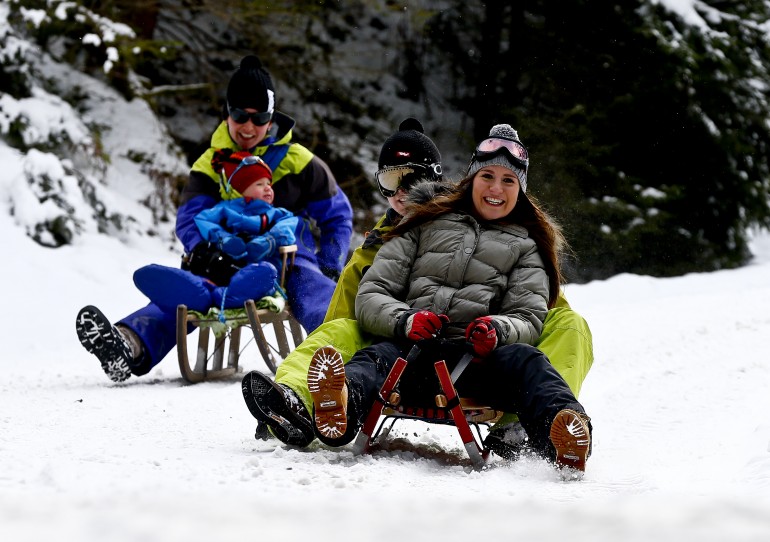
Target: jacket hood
(280,130)
(424,191)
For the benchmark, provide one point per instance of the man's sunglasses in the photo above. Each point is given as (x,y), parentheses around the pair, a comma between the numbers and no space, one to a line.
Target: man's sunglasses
(391,178)
(495,145)
(240,116)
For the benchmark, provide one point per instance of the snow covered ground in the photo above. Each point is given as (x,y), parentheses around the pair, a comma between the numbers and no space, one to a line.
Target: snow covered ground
(678,395)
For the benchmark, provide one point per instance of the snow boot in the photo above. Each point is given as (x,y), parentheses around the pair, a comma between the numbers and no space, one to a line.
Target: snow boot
(106,342)
(279,408)
(571,438)
(509,441)
(169,287)
(326,383)
(254,281)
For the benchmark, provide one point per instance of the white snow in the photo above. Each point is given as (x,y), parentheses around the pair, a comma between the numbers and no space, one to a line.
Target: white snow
(678,395)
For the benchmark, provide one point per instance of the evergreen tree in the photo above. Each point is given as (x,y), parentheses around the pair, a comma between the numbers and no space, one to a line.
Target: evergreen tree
(649,136)
(648,129)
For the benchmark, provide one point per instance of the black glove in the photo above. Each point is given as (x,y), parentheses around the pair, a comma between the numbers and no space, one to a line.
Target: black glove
(206,260)
(332,273)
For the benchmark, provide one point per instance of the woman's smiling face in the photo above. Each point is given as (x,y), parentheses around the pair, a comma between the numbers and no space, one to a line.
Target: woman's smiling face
(495,192)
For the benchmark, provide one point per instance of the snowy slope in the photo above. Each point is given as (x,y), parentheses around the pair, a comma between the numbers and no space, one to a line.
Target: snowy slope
(678,396)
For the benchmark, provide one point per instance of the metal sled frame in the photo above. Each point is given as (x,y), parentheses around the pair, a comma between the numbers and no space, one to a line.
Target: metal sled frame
(210,365)
(450,410)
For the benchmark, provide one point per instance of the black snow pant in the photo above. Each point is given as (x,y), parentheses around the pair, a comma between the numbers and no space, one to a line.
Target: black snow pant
(516,378)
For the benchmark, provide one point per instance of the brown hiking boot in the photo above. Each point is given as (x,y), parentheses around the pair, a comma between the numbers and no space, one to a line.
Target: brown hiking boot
(572,440)
(326,382)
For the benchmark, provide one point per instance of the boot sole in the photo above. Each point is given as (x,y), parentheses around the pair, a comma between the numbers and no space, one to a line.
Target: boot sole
(96,334)
(91,326)
(571,438)
(267,404)
(326,381)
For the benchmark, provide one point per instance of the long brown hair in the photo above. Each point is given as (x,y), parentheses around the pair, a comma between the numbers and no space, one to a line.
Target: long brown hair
(542,228)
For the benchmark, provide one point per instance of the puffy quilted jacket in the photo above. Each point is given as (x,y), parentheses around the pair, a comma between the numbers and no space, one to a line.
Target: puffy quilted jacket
(457,266)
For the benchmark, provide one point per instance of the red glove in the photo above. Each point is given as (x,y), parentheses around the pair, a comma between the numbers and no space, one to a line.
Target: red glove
(481,335)
(424,325)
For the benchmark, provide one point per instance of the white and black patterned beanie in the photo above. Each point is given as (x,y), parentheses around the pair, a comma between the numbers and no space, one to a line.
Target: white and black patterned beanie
(501,131)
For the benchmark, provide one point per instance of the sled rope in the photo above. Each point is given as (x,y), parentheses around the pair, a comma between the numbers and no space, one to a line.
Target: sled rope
(222,306)
(280,290)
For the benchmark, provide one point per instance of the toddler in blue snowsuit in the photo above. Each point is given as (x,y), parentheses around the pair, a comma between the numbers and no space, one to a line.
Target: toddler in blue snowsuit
(241,258)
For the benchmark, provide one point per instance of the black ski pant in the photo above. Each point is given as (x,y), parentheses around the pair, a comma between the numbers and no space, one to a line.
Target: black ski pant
(516,378)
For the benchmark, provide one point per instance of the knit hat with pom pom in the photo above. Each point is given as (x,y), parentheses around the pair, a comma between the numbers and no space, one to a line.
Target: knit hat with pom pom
(239,174)
(251,87)
(501,158)
(409,145)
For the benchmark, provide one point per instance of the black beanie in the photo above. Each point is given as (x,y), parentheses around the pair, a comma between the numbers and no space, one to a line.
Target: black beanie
(409,146)
(250,87)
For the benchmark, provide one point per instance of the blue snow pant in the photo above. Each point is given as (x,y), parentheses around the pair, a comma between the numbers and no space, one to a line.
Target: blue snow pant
(156,327)
(309,292)
(515,378)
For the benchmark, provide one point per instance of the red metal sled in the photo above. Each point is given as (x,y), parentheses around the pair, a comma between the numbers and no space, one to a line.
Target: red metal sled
(449,410)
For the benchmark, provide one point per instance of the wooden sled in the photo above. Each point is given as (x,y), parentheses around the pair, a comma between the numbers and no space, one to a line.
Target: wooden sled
(226,331)
(449,410)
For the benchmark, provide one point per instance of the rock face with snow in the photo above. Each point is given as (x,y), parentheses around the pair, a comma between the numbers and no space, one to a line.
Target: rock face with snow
(78,157)
(649,134)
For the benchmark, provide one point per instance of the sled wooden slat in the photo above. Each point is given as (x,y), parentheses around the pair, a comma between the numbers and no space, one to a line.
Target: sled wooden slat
(235,344)
(296,331)
(202,351)
(277,322)
(283,343)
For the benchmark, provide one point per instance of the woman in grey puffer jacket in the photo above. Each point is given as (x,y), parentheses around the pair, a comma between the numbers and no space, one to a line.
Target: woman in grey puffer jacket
(479,263)
(462,267)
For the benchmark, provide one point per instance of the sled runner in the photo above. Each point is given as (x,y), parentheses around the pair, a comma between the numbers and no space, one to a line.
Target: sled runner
(270,315)
(449,409)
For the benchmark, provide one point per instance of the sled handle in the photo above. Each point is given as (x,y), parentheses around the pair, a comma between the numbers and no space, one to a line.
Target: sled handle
(414,353)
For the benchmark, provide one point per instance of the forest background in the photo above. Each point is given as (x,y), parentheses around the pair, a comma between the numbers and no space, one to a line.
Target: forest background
(648,121)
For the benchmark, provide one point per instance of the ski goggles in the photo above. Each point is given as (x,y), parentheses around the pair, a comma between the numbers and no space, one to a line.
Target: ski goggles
(390,179)
(250,160)
(240,116)
(493,146)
